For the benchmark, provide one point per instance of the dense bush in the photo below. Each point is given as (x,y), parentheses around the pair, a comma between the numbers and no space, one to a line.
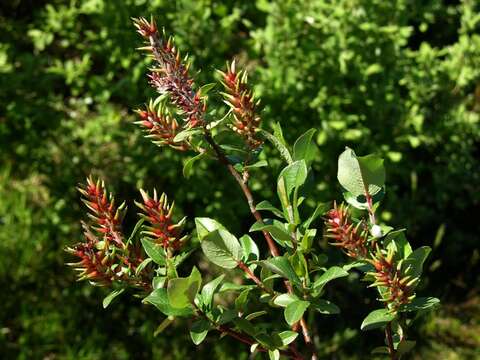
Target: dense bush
(399,76)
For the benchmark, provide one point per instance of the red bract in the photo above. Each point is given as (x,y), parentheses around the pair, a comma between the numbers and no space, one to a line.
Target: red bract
(104,256)
(396,288)
(241,101)
(352,239)
(106,217)
(158,213)
(160,126)
(171,76)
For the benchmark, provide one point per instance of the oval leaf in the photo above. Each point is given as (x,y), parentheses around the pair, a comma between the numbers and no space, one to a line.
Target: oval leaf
(294,311)
(222,249)
(376,319)
(360,175)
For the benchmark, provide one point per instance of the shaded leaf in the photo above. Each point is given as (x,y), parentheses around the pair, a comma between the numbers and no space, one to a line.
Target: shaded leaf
(376,319)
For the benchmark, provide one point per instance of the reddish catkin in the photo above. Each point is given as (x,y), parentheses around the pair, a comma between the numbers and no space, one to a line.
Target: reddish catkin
(171,73)
(160,126)
(341,232)
(162,230)
(396,288)
(104,257)
(106,217)
(242,104)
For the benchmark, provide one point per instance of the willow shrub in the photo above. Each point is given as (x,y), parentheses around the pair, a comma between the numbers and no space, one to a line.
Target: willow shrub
(289,277)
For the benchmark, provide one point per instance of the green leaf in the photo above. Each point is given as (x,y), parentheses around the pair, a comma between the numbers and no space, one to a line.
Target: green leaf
(376,319)
(279,144)
(321,209)
(304,148)
(242,299)
(188,166)
(185,134)
(250,248)
(142,265)
(325,307)
(182,291)
(163,325)
(413,264)
(295,310)
(109,298)
(275,228)
(258,164)
(135,230)
(209,290)
(274,354)
(291,177)
(206,225)
(420,303)
(235,287)
(199,331)
(154,251)
(398,242)
(159,299)
(360,201)
(360,175)
(222,249)
(280,265)
(287,337)
(255,315)
(206,88)
(284,300)
(266,205)
(329,275)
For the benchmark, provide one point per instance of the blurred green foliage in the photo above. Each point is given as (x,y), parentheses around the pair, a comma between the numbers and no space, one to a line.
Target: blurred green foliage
(399,77)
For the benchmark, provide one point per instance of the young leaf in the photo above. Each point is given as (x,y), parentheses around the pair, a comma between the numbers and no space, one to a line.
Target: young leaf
(250,248)
(185,134)
(294,311)
(266,205)
(376,319)
(321,209)
(291,178)
(109,298)
(206,88)
(305,148)
(159,299)
(255,315)
(182,291)
(137,227)
(222,249)
(142,265)
(360,175)
(188,166)
(329,275)
(279,142)
(413,265)
(420,303)
(199,331)
(287,337)
(275,228)
(209,290)
(206,225)
(398,241)
(280,265)
(284,300)
(274,354)
(154,251)
(325,307)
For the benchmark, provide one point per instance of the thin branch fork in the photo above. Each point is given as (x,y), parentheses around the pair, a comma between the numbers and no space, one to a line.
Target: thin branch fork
(271,244)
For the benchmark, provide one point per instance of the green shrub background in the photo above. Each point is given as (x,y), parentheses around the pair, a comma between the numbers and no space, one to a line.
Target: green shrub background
(401,78)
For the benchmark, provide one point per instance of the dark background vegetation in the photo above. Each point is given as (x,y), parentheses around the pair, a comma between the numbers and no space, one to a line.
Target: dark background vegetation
(401,78)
